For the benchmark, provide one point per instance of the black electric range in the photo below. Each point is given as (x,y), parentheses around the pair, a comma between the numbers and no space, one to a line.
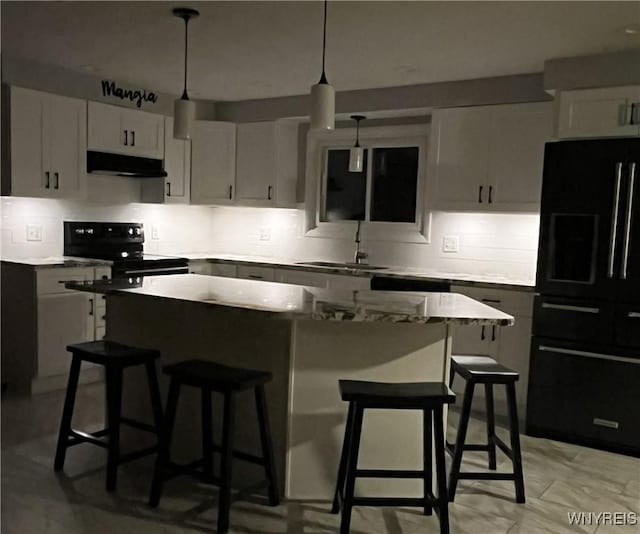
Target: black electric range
(121,243)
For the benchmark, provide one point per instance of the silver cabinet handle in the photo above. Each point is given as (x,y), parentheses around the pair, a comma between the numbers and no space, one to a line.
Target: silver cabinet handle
(256,277)
(269,190)
(567,307)
(633,114)
(47,175)
(490,194)
(492,301)
(126,138)
(634,315)
(493,333)
(627,222)
(479,194)
(606,423)
(482,334)
(57,177)
(133,138)
(230,192)
(614,220)
(90,306)
(586,354)
(168,189)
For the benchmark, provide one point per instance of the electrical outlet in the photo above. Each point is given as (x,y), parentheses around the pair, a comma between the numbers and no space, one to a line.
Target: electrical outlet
(451,243)
(155,232)
(34,232)
(265,234)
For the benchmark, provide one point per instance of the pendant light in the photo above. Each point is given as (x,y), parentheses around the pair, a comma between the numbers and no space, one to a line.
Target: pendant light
(184,110)
(356,153)
(323,95)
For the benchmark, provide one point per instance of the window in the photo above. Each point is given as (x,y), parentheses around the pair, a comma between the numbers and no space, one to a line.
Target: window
(385,191)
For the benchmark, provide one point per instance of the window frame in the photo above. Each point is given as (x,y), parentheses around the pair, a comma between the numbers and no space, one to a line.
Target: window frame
(318,145)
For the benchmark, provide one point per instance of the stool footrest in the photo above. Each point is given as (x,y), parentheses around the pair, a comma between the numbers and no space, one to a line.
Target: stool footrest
(390,501)
(130,456)
(77,436)
(389,473)
(137,424)
(503,447)
(479,475)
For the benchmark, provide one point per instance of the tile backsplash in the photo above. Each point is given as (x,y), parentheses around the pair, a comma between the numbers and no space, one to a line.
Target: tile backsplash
(495,244)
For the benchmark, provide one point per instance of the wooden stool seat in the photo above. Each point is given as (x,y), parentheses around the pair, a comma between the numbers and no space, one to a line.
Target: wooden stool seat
(486,371)
(215,376)
(115,357)
(212,377)
(430,398)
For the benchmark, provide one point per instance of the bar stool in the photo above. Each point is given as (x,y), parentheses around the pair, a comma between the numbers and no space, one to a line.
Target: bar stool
(115,357)
(485,370)
(429,397)
(212,377)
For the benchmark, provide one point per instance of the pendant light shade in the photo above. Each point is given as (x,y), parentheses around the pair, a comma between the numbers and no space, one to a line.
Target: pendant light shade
(356,153)
(184,110)
(323,95)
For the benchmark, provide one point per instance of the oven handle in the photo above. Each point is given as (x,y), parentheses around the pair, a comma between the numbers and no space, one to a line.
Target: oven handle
(168,270)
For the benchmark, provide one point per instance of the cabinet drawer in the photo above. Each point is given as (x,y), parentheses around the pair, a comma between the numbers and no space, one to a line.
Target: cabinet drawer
(511,302)
(257,273)
(560,318)
(48,280)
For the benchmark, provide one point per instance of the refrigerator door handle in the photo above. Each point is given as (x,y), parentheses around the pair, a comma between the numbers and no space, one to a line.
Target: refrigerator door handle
(633,315)
(614,220)
(627,222)
(587,354)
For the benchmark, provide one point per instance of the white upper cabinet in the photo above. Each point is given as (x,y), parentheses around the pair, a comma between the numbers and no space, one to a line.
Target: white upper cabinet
(213,162)
(606,112)
(267,163)
(125,131)
(47,139)
(177,164)
(488,158)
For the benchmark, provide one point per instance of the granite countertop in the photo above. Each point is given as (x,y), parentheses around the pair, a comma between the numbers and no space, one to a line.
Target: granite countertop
(289,301)
(391,271)
(59,261)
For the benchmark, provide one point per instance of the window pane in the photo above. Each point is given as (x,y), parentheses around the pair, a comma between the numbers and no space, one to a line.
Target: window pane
(346,191)
(395,179)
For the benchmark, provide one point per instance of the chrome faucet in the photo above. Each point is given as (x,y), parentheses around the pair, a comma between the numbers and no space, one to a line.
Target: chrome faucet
(360,257)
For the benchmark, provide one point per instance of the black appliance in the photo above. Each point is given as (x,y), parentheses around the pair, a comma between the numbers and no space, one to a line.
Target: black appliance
(584,383)
(121,243)
(123,165)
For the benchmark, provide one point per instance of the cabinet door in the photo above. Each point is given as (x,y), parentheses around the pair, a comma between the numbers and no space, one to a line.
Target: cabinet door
(599,112)
(256,163)
(517,137)
(177,164)
(105,131)
(27,128)
(62,319)
(67,123)
(144,133)
(459,157)
(213,162)
(514,345)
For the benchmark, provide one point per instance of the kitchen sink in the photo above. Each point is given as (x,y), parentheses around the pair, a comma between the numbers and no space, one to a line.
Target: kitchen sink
(338,265)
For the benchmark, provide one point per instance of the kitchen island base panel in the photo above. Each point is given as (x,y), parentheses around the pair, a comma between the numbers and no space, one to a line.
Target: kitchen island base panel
(306,358)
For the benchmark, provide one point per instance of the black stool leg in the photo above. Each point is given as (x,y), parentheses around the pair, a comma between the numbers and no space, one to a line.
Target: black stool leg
(491,425)
(352,466)
(114,407)
(156,400)
(207,432)
(460,438)
(441,473)
(224,501)
(67,413)
(515,442)
(267,446)
(452,374)
(427,461)
(162,460)
(342,469)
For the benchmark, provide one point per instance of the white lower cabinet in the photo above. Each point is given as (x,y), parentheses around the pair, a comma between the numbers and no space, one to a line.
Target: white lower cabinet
(40,317)
(509,345)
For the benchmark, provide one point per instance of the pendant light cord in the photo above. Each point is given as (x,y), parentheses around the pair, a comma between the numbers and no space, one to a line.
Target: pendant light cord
(323,78)
(186,48)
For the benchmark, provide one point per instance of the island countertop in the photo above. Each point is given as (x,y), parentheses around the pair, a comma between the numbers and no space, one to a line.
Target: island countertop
(289,301)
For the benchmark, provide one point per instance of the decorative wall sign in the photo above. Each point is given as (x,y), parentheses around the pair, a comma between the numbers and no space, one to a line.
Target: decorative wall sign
(138,96)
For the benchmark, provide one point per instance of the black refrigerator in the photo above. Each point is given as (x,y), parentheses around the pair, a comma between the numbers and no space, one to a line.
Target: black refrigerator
(584,383)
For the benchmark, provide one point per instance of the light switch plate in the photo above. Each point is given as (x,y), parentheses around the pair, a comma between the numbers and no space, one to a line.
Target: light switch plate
(34,232)
(450,243)
(155,232)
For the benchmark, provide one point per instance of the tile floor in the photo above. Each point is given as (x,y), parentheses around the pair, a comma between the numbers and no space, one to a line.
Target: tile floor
(560,478)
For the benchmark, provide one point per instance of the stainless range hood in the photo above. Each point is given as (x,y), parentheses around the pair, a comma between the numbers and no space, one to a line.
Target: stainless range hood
(122,165)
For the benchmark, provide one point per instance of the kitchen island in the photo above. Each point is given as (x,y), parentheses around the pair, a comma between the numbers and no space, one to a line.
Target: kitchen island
(309,338)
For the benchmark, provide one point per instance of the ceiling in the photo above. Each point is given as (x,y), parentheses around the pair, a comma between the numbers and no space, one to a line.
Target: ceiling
(247,50)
